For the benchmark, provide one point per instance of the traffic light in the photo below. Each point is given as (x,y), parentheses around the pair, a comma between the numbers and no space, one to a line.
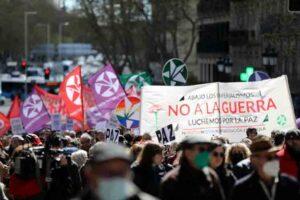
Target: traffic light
(47,73)
(294,5)
(245,75)
(24,64)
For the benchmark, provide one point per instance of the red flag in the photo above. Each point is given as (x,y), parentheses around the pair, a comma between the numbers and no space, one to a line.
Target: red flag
(71,93)
(15,108)
(4,124)
(53,103)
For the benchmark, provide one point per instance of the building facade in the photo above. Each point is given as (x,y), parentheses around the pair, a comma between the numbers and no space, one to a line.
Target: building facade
(243,30)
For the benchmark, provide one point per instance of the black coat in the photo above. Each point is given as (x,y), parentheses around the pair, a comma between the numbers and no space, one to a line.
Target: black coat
(227,180)
(249,188)
(65,183)
(185,182)
(148,178)
(242,168)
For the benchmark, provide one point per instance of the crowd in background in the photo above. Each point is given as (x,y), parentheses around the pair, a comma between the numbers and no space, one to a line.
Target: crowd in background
(70,165)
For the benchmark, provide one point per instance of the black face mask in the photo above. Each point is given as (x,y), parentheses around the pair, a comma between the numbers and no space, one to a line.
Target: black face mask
(236,157)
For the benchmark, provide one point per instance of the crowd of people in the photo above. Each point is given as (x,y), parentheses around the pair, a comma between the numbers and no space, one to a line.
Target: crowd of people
(83,166)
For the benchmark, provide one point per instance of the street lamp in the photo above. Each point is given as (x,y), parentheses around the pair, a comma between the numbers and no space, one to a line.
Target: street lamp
(269,58)
(48,39)
(220,65)
(60,26)
(228,66)
(224,66)
(26,14)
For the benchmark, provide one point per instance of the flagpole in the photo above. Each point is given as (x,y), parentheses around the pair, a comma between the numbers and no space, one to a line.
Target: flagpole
(82,102)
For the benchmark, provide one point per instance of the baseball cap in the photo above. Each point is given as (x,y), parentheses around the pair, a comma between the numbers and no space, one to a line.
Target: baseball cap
(191,140)
(102,152)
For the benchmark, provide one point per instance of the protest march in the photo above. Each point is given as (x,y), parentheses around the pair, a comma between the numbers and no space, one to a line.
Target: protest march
(109,140)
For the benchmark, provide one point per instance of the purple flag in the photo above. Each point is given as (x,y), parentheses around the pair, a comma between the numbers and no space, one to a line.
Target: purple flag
(34,114)
(107,90)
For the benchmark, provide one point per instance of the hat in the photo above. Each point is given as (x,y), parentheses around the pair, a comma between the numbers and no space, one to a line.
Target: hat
(262,144)
(292,134)
(191,140)
(102,152)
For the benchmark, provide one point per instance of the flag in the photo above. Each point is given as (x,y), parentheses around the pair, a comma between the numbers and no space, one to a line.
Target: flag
(133,83)
(14,115)
(4,124)
(52,102)
(93,116)
(71,93)
(34,114)
(107,90)
(14,110)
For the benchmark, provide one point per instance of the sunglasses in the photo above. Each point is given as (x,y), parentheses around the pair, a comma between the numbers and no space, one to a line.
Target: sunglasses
(202,149)
(217,154)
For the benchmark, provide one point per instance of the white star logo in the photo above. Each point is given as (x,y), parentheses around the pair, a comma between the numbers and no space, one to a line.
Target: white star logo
(107,84)
(32,106)
(175,73)
(73,89)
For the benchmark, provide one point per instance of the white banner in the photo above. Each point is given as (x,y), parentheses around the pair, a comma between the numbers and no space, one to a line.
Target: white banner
(219,108)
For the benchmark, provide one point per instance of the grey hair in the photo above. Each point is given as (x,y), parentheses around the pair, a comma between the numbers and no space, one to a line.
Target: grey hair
(79,157)
(86,136)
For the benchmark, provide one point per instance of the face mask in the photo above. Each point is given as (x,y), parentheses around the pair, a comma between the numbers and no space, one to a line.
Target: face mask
(115,189)
(202,160)
(271,168)
(236,157)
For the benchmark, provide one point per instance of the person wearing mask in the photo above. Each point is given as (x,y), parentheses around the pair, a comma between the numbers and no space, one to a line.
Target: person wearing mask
(289,156)
(217,162)
(236,153)
(193,179)
(238,160)
(266,182)
(149,170)
(108,175)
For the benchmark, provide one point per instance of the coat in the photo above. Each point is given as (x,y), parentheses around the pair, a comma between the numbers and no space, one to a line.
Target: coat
(185,182)
(148,178)
(242,168)
(288,164)
(249,188)
(227,180)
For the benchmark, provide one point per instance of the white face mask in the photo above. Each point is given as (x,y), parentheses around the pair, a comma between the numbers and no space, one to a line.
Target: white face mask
(271,168)
(115,189)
